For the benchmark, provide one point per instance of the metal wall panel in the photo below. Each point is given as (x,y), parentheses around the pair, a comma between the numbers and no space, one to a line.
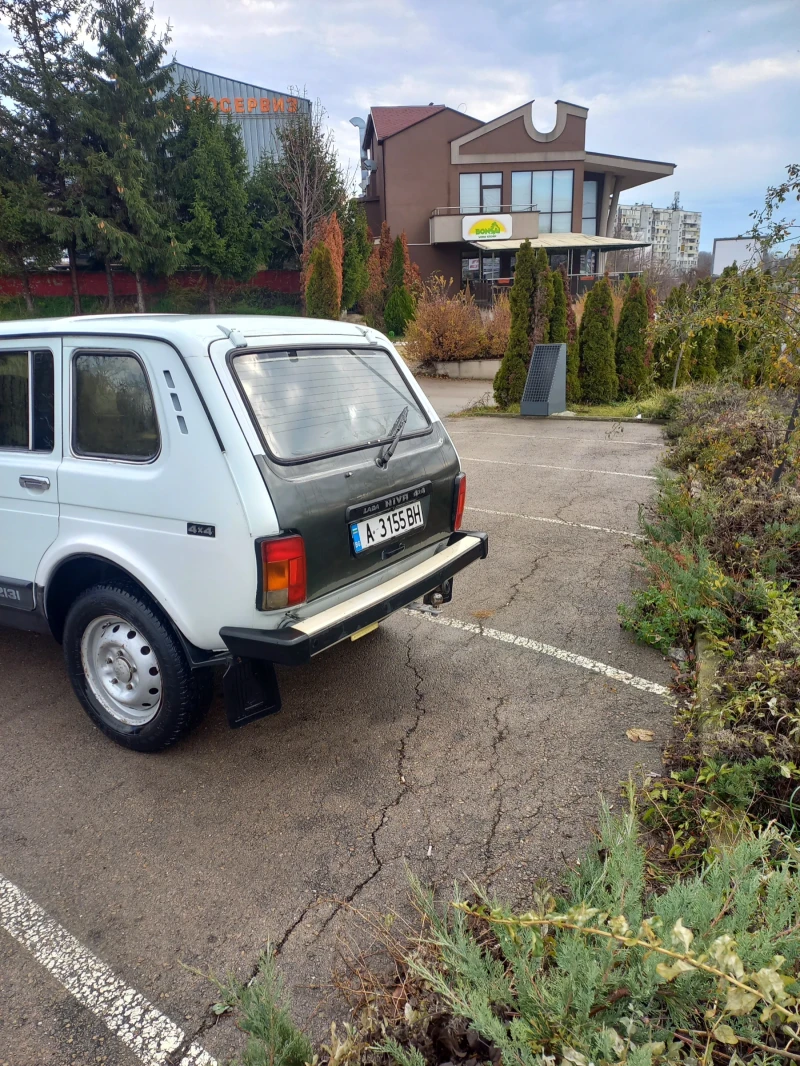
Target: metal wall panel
(258,129)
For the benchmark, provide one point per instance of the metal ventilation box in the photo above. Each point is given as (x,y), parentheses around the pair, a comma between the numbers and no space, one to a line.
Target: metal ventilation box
(546,386)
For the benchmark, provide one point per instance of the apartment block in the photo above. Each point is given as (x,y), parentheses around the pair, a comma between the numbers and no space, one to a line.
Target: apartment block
(673,233)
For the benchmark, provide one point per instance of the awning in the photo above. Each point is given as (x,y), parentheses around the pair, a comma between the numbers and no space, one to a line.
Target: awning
(554,241)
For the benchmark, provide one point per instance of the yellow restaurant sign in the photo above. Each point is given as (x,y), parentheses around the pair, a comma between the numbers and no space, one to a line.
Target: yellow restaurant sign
(486,227)
(249,105)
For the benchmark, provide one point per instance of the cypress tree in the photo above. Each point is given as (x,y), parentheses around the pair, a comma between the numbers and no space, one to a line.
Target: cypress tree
(631,345)
(727,349)
(558,318)
(704,355)
(357,247)
(596,346)
(212,198)
(509,381)
(570,331)
(541,301)
(42,77)
(321,287)
(399,308)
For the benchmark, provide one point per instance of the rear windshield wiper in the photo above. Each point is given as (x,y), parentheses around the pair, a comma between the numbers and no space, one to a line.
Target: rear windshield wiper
(395,433)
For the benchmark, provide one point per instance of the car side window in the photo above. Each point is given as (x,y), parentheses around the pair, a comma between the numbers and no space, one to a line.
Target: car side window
(27,401)
(114,416)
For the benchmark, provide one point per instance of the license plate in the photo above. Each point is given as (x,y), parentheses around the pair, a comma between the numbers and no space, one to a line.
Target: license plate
(389,526)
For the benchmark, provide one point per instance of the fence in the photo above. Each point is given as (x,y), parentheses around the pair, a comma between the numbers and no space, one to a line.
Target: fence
(93,283)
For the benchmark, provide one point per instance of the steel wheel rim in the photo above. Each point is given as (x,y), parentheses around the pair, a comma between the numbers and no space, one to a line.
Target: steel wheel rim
(121,670)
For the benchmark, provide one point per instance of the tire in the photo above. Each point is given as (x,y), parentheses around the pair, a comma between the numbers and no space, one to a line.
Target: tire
(129,670)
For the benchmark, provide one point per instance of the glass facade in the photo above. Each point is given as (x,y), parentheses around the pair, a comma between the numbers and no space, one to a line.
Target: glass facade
(589,212)
(480,192)
(547,191)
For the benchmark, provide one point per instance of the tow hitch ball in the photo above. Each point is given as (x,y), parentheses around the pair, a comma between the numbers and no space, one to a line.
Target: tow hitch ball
(441,594)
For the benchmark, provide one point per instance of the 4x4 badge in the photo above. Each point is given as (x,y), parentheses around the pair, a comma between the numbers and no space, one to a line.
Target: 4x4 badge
(200,529)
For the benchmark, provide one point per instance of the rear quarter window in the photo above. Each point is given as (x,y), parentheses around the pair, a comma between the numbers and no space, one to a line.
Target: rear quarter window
(321,401)
(114,415)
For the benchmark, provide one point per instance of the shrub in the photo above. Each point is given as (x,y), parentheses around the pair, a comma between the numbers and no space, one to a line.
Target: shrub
(396,273)
(445,327)
(596,346)
(373,299)
(509,381)
(727,349)
(704,355)
(632,341)
(399,311)
(328,232)
(323,294)
(496,327)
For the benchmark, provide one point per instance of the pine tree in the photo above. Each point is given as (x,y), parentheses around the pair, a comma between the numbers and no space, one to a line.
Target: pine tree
(24,248)
(322,294)
(127,116)
(631,343)
(42,80)
(596,346)
(374,298)
(509,381)
(541,300)
(357,247)
(211,194)
(399,309)
(396,271)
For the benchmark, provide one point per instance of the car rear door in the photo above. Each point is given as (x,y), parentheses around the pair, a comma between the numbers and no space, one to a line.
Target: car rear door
(323,416)
(30,455)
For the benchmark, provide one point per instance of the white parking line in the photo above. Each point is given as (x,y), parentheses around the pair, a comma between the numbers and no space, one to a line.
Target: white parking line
(556,522)
(552,436)
(138,1024)
(547,649)
(569,469)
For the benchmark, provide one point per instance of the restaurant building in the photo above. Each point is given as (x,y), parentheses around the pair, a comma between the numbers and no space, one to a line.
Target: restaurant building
(467,193)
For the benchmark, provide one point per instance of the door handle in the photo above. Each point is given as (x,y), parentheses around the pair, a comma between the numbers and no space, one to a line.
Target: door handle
(29,481)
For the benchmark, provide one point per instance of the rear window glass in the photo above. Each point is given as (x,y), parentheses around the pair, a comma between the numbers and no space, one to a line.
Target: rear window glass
(310,402)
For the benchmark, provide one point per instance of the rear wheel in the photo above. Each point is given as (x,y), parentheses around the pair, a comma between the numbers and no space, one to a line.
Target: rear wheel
(129,671)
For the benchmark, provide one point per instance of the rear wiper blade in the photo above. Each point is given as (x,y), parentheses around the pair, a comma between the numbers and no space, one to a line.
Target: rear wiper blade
(395,433)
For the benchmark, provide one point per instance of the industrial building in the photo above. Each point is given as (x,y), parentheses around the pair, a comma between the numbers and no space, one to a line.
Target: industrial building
(256,110)
(673,233)
(468,192)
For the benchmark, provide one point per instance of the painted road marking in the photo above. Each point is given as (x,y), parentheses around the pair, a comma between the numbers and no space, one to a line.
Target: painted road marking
(547,649)
(569,469)
(138,1024)
(552,436)
(557,522)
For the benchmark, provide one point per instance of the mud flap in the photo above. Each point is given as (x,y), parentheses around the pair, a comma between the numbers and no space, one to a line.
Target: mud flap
(251,691)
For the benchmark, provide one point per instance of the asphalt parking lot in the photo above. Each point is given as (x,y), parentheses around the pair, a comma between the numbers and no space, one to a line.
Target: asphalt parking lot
(473,744)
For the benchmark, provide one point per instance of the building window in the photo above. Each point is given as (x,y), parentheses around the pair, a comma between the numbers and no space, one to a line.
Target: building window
(114,416)
(589,212)
(480,192)
(27,401)
(547,191)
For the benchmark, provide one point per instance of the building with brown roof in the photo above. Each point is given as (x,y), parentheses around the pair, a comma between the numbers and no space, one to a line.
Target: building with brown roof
(467,193)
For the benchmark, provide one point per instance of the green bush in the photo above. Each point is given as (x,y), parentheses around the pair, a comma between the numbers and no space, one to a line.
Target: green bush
(542,300)
(321,289)
(631,345)
(596,346)
(509,381)
(558,316)
(399,311)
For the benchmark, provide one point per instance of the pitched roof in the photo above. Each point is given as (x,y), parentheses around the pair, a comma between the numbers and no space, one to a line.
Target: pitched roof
(390,120)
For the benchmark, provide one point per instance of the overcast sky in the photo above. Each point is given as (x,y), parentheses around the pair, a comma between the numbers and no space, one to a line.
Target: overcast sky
(711,85)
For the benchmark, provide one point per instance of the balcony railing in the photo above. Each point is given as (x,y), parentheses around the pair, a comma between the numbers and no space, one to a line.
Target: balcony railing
(504,209)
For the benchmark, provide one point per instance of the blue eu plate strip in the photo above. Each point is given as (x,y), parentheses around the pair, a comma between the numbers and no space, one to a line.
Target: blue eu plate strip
(356,537)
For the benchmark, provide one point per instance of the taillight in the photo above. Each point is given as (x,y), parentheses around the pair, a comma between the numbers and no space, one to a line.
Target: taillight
(283,572)
(459,499)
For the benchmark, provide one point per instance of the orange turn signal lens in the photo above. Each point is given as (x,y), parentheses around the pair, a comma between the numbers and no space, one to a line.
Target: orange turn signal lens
(459,499)
(283,572)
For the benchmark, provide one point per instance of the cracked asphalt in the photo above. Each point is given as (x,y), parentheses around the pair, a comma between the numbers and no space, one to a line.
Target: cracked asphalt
(453,753)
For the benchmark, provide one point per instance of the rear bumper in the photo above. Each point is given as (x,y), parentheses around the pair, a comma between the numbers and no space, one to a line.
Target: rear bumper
(298,643)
